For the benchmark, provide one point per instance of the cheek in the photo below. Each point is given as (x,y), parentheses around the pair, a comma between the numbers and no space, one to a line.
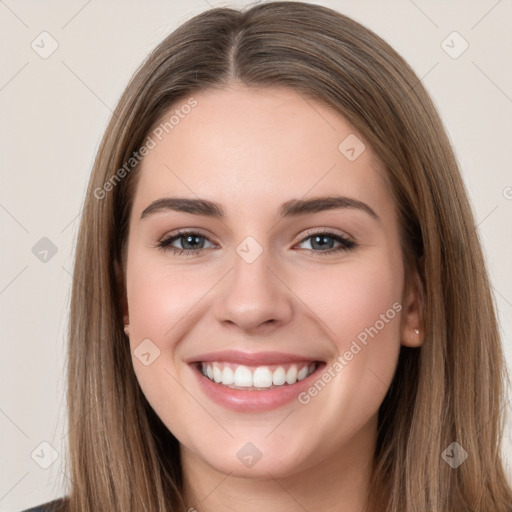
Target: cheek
(161,302)
(160,297)
(354,298)
(361,306)
(369,317)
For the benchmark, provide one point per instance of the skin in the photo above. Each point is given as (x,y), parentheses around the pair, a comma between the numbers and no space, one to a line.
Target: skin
(251,150)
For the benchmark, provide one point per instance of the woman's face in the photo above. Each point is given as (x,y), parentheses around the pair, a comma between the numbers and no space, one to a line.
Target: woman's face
(265,329)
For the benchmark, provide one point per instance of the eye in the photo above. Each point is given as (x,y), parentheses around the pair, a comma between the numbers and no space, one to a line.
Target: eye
(191,242)
(322,242)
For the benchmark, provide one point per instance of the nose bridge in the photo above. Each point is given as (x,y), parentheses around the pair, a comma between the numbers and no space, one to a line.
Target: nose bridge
(252,295)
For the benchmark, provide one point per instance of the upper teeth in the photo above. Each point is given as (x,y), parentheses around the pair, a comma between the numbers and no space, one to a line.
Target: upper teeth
(258,377)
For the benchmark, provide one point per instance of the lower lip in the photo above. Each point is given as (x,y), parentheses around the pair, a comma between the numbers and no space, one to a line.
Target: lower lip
(254,401)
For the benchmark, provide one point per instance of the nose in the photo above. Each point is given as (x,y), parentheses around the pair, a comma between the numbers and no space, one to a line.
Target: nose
(254,297)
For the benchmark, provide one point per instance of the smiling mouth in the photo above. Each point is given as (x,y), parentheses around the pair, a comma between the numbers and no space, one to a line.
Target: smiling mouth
(256,378)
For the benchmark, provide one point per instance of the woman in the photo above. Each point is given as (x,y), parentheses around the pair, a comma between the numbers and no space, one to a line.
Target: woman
(279,297)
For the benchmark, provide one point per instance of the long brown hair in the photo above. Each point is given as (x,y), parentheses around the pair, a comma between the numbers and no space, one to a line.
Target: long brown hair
(122,458)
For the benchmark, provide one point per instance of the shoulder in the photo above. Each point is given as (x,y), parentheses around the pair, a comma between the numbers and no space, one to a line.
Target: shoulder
(51,506)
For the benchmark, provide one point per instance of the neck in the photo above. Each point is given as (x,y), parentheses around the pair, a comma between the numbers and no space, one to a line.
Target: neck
(340,482)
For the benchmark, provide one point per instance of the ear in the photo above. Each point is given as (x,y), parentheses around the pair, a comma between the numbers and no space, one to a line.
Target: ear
(412,332)
(120,281)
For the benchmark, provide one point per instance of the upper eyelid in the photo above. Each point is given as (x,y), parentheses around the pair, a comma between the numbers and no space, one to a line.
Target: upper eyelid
(184,232)
(330,231)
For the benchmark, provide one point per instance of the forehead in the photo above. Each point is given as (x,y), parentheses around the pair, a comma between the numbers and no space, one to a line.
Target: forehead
(249,148)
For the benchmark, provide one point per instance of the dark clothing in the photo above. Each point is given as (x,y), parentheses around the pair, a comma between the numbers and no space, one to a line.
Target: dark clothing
(51,506)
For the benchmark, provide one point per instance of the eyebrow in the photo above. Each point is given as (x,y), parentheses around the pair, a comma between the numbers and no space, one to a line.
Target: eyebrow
(291,208)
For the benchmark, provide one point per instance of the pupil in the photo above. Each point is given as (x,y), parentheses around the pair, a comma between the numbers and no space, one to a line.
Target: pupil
(323,240)
(190,239)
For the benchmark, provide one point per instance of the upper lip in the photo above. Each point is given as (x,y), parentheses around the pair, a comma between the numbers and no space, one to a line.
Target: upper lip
(250,358)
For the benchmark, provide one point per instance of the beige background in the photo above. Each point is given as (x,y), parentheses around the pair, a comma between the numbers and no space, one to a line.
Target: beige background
(54,111)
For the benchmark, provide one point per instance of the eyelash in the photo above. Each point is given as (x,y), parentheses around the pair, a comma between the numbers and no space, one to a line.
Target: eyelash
(164,244)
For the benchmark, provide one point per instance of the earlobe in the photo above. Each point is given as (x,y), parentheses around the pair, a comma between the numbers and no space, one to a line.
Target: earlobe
(413,338)
(412,329)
